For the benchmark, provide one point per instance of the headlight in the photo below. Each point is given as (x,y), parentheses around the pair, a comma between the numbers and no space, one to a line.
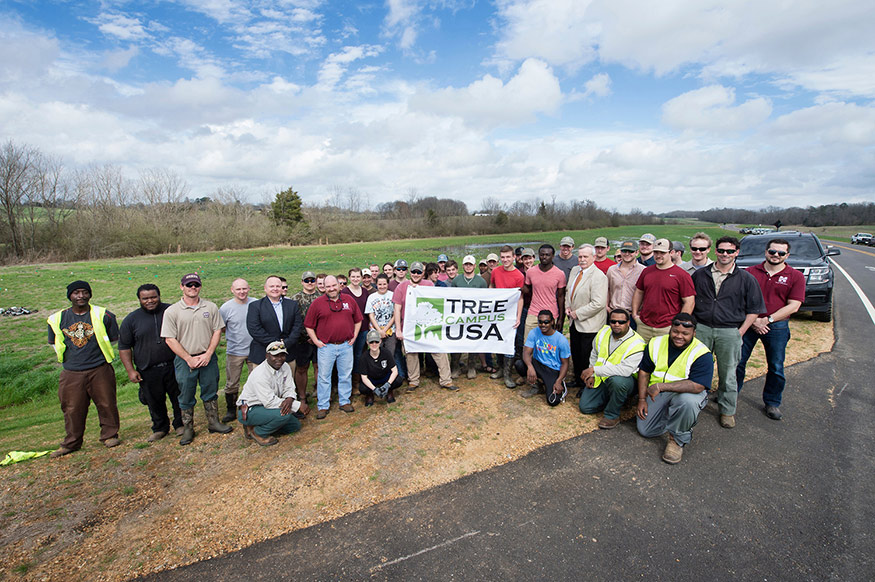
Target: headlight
(818,275)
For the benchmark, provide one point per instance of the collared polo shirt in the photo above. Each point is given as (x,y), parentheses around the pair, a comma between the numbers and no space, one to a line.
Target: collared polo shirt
(192,325)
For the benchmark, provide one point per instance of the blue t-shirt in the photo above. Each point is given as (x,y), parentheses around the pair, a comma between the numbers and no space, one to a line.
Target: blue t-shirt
(549,349)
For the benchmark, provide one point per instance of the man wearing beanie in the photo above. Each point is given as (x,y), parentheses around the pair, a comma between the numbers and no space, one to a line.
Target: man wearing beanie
(82,337)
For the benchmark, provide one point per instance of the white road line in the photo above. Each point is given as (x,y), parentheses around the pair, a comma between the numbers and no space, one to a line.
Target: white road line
(866,303)
(414,554)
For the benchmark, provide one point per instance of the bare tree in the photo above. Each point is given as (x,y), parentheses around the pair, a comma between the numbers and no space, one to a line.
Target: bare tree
(20,169)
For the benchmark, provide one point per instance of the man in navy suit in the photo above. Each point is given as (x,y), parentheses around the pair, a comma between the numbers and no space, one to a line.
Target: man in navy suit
(272,318)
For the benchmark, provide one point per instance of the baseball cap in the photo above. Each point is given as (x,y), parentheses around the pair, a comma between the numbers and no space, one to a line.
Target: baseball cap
(566,241)
(308,275)
(628,245)
(527,252)
(662,245)
(647,237)
(469,259)
(677,246)
(190,278)
(400,263)
(373,336)
(366,271)
(277,347)
(518,251)
(417,266)
(601,242)
(442,258)
(491,257)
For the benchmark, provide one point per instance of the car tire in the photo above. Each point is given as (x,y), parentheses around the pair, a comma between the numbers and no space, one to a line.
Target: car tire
(822,315)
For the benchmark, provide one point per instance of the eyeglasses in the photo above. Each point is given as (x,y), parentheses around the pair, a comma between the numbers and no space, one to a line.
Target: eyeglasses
(725,251)
(548,322)
(310,280)
(774,252)
(619,321)
(699,249)
(192,285)
(687,324)
(416,272)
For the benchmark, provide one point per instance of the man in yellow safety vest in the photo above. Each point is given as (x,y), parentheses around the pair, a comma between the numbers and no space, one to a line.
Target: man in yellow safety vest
(673,382)
(613,362)
(82,337)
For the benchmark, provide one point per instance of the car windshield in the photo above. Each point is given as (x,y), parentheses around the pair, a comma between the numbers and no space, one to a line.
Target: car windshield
(800,248)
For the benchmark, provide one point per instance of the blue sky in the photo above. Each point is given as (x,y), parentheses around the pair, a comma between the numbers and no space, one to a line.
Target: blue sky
(632,104)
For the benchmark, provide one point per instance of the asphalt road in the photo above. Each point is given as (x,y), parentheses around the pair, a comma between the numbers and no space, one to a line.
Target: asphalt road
(788,500)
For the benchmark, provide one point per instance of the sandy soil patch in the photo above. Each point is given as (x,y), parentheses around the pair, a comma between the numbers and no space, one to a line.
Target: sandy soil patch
(114,514)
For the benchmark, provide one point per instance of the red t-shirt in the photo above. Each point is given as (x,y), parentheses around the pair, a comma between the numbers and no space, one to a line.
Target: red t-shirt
(544,287)
(663,290)
(334,321)
(778,289)
(399,296)
(605,265)
(508,279)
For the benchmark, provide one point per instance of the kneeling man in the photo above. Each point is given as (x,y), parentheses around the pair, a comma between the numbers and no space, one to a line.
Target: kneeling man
(616,355)
(268,399)
(545,359)
(673,383)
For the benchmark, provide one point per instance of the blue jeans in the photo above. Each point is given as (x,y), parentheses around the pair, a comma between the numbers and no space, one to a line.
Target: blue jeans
(400,359)
(188,379)
(357,348)
(775,345)
(328,356)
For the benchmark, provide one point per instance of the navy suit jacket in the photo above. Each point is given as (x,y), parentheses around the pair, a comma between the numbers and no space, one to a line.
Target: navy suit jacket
(264,328)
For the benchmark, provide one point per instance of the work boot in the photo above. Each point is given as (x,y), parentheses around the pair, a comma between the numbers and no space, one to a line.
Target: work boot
(497,374)
(506,368)
(673,452)
(187,426)
(211,409)
(472,372)
(231,401)
(455,367)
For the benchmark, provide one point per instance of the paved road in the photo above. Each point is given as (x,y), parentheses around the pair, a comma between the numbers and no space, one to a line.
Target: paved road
(789,500)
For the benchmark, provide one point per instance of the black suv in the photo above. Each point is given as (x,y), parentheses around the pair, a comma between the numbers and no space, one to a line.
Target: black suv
(806,255)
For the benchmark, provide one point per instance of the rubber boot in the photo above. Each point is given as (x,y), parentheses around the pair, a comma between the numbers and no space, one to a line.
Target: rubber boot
(506,368)
(455,367)
(497,374)
(211,409)
(187,426)
(231,402)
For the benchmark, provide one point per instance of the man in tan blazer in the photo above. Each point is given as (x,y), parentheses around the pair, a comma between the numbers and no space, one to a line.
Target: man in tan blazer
(586,299)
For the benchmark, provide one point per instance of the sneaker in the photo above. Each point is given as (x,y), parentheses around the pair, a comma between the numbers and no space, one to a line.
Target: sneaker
(60,452)
(456,373)
(113,442)
(347,407)
(609,423)
(156,436)
(673,452)
(412,387)
(472,373)
(496,375)
(451,387)
(533,391)
(322,413)
(774,412)
(727,420)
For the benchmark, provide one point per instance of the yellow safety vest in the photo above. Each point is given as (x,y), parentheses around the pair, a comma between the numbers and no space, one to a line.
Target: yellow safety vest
(680,368)
(100,333)
(631,345)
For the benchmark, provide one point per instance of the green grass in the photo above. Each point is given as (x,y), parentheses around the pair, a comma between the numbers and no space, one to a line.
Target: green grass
(839,233)
(28,366)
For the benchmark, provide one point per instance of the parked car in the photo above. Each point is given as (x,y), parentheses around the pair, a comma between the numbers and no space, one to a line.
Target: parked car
(808,255)
(862,238)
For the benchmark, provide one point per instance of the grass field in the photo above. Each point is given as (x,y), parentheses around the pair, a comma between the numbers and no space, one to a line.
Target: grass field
(839,233)
(29,370)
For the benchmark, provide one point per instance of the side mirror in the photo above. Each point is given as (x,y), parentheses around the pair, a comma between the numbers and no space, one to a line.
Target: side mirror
(833,251)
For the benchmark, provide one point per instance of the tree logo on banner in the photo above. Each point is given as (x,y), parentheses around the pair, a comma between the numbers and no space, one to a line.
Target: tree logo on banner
(429,318)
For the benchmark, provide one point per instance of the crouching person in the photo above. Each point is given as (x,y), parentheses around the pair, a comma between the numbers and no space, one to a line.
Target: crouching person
(616,355)
(268,400)
(673,383)
(379,372)
(545,360)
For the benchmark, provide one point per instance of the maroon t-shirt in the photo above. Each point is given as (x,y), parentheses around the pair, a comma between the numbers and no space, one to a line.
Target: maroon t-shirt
(663,290)
(334,321)
(361,301)
(779,288)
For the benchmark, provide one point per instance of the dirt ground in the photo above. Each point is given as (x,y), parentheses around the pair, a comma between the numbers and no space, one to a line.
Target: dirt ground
(103,514)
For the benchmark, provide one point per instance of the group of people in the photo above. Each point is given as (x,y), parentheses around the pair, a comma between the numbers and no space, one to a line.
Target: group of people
(646,320)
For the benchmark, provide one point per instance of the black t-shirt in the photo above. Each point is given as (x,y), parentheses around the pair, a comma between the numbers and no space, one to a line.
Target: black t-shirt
(701,372)
(82,351)
(140,332)
(379,368)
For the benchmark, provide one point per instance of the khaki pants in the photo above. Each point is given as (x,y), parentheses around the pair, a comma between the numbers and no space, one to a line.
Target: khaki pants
(233,369)
(648,333)
(443,365)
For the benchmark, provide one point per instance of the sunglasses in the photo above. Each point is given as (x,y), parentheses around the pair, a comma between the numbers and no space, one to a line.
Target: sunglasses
(779,253)
(416,272)
(400,268)
(627,251)
(548,322)
(285,286)
(310,280)
(335,306)
(687,324)
(699,249)
(192,285)
(374,342)
(619,321)
(725,251)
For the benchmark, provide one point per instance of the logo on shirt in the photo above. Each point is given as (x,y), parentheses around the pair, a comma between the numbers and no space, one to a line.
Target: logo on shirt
(79,333)
(206,314)
(782,280)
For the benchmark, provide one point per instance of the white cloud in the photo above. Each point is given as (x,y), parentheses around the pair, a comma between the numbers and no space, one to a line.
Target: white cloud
(120,26)
(119,59)
(488,102)
(598,86)
(336,65)
(713,108)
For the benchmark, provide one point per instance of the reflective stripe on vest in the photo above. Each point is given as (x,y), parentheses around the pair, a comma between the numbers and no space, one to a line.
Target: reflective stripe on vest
(680,368)
(633,345)
(100,333)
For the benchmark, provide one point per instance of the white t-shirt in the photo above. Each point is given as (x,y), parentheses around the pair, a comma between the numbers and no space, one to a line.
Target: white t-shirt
(382,308)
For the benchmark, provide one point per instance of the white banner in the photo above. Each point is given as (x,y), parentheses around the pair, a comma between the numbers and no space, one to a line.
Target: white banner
(458,320)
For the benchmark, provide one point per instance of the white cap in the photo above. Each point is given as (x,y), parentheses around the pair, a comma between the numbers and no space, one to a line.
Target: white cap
(469,259)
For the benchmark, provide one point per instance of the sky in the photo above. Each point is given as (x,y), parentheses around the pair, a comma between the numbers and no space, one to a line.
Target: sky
(656,106)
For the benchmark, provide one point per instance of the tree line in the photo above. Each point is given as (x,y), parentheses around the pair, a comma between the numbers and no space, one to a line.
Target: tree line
(842,214)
